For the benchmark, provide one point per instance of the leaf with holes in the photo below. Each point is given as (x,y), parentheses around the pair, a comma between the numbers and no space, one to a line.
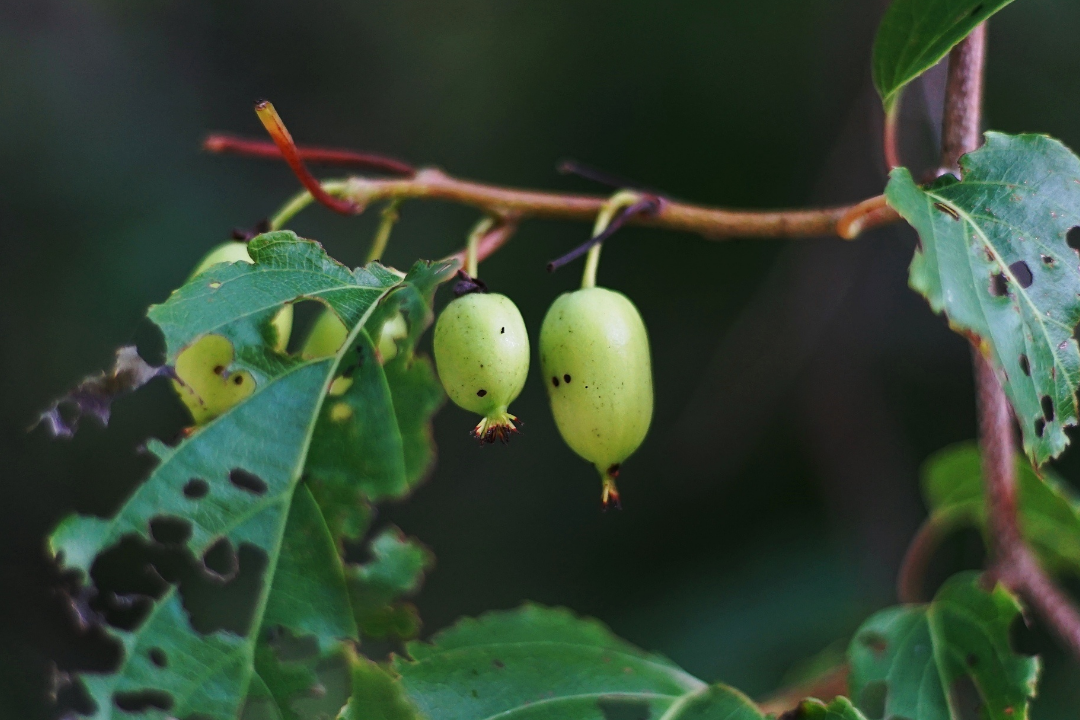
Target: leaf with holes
(238,301)
(915,35)
(944,660)
(1049,510)
(232,484)
(993,257)
(536,663)
(232,488)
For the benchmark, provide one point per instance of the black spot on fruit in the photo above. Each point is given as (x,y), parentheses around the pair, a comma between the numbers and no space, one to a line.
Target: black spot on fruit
(481,392)
(555,381)
(566,378)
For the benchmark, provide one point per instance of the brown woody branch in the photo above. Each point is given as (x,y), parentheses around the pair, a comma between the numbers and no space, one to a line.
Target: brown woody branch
(511,205)
(714,223)
(1013,562)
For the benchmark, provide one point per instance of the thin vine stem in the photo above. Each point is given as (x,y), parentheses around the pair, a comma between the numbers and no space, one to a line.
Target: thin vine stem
(388,218)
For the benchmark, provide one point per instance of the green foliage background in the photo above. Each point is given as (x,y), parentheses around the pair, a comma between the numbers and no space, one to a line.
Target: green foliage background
(768,510)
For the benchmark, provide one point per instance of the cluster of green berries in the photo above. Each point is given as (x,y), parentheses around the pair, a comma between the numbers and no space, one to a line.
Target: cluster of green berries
(594,358)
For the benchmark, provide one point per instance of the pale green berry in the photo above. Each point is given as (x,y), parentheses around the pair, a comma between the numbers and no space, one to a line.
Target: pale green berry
(204,382)
(482,355)
(594,356)
(328,334)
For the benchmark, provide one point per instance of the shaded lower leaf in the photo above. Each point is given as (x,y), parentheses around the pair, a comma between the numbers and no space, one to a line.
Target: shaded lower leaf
(536,662)
(928,662)
(1048,509)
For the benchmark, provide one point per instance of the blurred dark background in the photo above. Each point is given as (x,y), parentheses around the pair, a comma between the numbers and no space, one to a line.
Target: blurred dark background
(799,384)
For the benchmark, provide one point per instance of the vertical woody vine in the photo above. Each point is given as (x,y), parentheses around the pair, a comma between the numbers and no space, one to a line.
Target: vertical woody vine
(1012,561)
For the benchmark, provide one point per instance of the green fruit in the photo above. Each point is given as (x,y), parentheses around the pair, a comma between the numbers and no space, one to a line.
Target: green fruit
(234,251)
(482,355)
(594,355)
(204,382)
(329,333)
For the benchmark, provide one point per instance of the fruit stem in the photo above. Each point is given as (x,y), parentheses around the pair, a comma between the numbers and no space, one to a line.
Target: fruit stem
(472,260)
(303,199)
(617,202)
(389,218)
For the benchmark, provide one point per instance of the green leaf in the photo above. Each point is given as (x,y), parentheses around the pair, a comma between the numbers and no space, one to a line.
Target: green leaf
(373,440)
(929,661)
(239,300)
(356,452)
(309,559)
(1049,510)
(416,391)
(839,709)
(265,437)
(993,257)
(236,480)
(377,695)
(376,588)
(537,663)
(916,34)
(277,683)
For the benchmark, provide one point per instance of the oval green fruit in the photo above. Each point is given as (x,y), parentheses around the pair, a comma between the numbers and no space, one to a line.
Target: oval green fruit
(482,355)
(594,356)
(203,380)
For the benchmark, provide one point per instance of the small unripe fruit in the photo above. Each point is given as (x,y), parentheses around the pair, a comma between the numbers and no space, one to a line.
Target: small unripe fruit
(594,356)
(204,383)
(482,355)
(328,334)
